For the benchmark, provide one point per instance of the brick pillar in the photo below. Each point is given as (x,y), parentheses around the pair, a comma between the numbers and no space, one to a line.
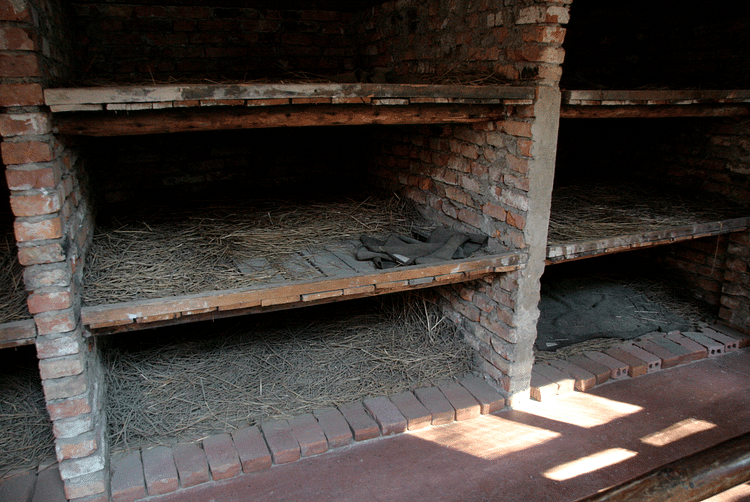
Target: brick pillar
(53,228)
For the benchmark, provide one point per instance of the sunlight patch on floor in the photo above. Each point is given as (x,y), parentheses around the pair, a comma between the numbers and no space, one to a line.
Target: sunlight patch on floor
(677,431)
(488,437)
(589,464)
(582,410)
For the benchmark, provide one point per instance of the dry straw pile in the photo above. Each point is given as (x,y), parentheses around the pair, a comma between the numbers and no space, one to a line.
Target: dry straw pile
(184,383)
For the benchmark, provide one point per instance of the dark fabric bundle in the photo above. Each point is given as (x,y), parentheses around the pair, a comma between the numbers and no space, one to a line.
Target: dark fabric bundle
(443,244)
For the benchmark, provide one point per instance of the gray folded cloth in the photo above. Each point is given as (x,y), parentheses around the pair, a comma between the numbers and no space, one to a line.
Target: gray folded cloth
(443,244)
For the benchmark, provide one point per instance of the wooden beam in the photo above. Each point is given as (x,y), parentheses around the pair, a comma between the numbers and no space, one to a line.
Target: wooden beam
(558,253)
(215,304)
(653,111)
(17,333)
(227,118)
(690,479)
(193,92)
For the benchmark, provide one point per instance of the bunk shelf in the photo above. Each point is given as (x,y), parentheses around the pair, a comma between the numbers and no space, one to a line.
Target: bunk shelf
(654,103)
(17,333)
(595,219)
(342,278)
(129,110)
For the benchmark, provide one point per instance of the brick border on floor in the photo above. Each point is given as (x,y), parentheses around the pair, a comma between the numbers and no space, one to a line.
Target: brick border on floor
(163,470)
(647,354)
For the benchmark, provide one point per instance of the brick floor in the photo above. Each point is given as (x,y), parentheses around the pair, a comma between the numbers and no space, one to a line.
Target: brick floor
(416,415)
(222,457)
(192,465)
(252,449)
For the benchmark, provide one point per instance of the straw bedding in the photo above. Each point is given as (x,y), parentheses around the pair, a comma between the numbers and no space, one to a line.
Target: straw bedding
(189,385)
(25,430)
(175,253)
(595,210)
(12,293)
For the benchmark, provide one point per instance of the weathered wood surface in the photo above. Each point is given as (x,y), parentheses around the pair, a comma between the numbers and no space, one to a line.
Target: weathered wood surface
(197,92)
(693,478)
(17,333)
(598,111)
(658,96)
(557,253)
(347,284)
(228,118)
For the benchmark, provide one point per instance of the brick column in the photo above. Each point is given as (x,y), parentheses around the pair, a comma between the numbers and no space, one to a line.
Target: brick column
(53,227)
(735,295)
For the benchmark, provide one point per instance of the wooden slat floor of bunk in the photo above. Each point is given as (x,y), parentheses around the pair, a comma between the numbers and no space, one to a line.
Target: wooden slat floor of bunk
(17,333)
(214,304)
(558,253)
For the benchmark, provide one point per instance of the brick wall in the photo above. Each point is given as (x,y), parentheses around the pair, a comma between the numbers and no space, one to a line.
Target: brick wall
(518,41)
(52,227)
(195,40)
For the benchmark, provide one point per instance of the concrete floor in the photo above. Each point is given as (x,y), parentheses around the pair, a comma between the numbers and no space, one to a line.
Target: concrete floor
(560,450)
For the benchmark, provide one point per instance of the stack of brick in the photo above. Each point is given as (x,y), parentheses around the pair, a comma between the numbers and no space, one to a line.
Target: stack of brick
(53,226)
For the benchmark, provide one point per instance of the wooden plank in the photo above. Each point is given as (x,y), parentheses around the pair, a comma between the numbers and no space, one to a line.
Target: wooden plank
(289,293)
(346,253)
(557,253)
(653,111)
(654,94)
(230,118)
(17,333)
(200,92)
(328,263)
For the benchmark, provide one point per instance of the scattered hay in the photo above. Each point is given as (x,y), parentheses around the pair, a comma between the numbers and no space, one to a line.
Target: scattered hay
(190,385)
(594,344)
(596,211)
(25,429)
(181,253)
(13,305)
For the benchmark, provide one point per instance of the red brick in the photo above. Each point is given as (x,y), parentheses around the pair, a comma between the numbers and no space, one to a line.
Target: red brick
(470,217)
(564,382)
(601,373)
(362,425)
(714,348)
(516,220)
(309,435)
(59,388)
(91,486)
(26,152)
(13,38)
(191,463)
(416,415)
(76,448)
(44,302)
(542,388)
(38,255)
(743,340)
(56,321)
(59,367)
(514,128)
(494,211)
(636,365)
(386,414)
(543,34)
(461,399)
(730,343)
(48,229)
(252,450)
(127,482)
(29,179)
(439,407)
(35,205)
(222,457)
(21,94)
(488,398)
(653,363)
(668,358)
(159,470)
(584,380)
(284,448)
(334,426)
(618,368)
(14,10)
(26,123)
(68,408)
(19,65)
(697,350)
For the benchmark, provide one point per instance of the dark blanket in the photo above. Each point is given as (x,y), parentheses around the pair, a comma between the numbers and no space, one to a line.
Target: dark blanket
(443,244)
